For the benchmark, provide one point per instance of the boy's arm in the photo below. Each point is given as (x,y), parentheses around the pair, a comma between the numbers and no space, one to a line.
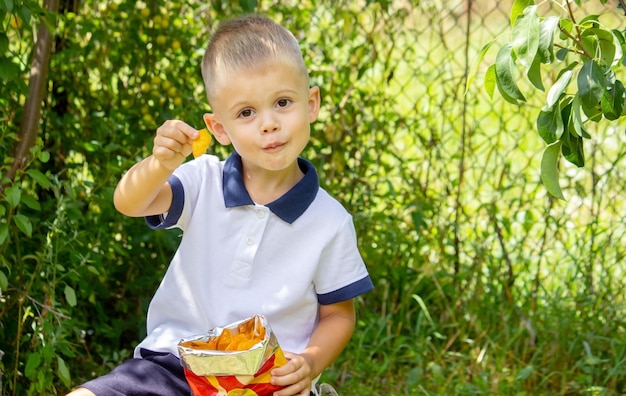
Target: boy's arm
(144,190)
(333,331)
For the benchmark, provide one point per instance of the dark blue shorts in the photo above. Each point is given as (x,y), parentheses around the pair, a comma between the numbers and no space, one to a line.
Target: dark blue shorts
(157,374)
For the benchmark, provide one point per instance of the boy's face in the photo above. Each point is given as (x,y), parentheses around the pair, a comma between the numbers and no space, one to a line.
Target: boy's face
(265,113)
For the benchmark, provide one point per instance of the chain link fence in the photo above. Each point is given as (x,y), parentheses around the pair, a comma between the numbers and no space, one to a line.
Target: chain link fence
(456,202)
(473,162)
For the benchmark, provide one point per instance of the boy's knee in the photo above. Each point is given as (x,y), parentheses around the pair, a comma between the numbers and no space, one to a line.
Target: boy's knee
(81,392)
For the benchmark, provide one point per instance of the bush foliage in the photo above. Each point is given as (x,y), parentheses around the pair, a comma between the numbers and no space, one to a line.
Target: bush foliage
(588,55)
(484,283)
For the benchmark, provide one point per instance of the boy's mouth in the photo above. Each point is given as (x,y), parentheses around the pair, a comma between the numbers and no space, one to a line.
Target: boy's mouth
(273,146)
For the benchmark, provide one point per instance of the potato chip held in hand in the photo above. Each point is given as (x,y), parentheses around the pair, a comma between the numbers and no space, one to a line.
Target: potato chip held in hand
(201,143)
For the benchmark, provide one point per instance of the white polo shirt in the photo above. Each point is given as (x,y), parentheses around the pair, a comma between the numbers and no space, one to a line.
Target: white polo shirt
(237,258)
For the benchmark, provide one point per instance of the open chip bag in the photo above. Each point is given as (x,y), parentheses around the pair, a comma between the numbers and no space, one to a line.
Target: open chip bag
(235,360)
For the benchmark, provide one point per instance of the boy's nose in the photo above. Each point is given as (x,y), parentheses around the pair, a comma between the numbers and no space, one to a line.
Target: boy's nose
(270,124)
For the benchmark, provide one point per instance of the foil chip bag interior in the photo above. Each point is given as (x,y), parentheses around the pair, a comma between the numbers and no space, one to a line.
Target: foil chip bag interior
(236,359)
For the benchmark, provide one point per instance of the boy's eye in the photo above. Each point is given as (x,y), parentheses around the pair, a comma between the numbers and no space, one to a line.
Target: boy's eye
(245,113)
(283,102)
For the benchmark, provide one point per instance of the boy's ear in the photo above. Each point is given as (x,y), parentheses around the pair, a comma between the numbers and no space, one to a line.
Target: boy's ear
(216,128)
(314,103)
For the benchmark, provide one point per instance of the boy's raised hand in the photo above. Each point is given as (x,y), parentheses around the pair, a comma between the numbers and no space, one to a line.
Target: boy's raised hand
(172,143)
(143,190)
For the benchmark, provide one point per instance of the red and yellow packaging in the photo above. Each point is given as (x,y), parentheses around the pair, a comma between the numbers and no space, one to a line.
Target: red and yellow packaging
(235,360)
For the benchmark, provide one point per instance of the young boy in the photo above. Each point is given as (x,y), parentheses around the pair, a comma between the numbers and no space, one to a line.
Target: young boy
(260,235)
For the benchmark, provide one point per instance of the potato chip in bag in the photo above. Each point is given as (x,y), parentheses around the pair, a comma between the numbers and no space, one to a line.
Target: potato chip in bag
(235,360)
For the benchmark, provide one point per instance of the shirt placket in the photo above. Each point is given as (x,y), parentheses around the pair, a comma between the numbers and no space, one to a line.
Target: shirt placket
(241,268)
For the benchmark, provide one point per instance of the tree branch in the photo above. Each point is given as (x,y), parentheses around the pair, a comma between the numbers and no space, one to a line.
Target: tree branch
(29,125)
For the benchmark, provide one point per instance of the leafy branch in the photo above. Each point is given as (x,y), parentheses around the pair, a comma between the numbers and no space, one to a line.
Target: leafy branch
(598,94)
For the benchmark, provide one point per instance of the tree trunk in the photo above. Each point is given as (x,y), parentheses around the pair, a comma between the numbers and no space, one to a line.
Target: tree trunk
(29,125)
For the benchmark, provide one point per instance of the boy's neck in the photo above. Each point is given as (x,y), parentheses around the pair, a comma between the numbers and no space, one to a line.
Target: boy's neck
(265,187)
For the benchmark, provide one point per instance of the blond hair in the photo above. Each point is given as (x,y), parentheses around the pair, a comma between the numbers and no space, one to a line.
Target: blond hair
(243,43)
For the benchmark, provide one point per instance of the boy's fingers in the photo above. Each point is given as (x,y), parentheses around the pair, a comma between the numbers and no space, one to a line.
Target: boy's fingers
(291,366)
(168,143)
(178,130)
(284,370)
(188,130)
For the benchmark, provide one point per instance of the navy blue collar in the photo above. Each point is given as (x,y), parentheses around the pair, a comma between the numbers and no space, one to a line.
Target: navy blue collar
(288,207)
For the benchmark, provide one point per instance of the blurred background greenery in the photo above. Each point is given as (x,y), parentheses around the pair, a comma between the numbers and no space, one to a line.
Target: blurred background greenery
(484,283)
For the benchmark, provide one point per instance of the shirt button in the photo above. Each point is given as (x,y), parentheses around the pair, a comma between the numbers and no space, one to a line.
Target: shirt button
(249,241)
(260,214)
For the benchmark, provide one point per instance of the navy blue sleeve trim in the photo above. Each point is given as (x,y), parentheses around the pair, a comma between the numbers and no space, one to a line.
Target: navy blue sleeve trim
(347,292)
(176,208)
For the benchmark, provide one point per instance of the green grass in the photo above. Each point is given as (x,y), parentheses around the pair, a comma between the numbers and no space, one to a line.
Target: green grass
(479,342)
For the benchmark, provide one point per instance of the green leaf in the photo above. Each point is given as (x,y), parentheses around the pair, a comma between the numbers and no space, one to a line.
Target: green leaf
(525,373)
(4,282)
(25,13)
(569,67)
(550,170)
(481,56)
(589,44)
(545,121)
(608,51)
(23,223)
(558,88)
(526,36)
(424,308)
(534,74)
(9,71)
(593,113)
(591,20)
(547,28)
(565,25)
(44,156)
(248,5)
(70,295)
(13,196)
(576,118)
(572,147)
(550,124)
(619,48)
(31,202)
(561,54)
(92,146)
(619,36)
(591,84)
(518,9)
(505,75)
(490,80)
(8,5)
(613,101)
(505,95)
(4,232)
(64,372)
(39,177)
(32,364)
(601,45)
(4,43)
